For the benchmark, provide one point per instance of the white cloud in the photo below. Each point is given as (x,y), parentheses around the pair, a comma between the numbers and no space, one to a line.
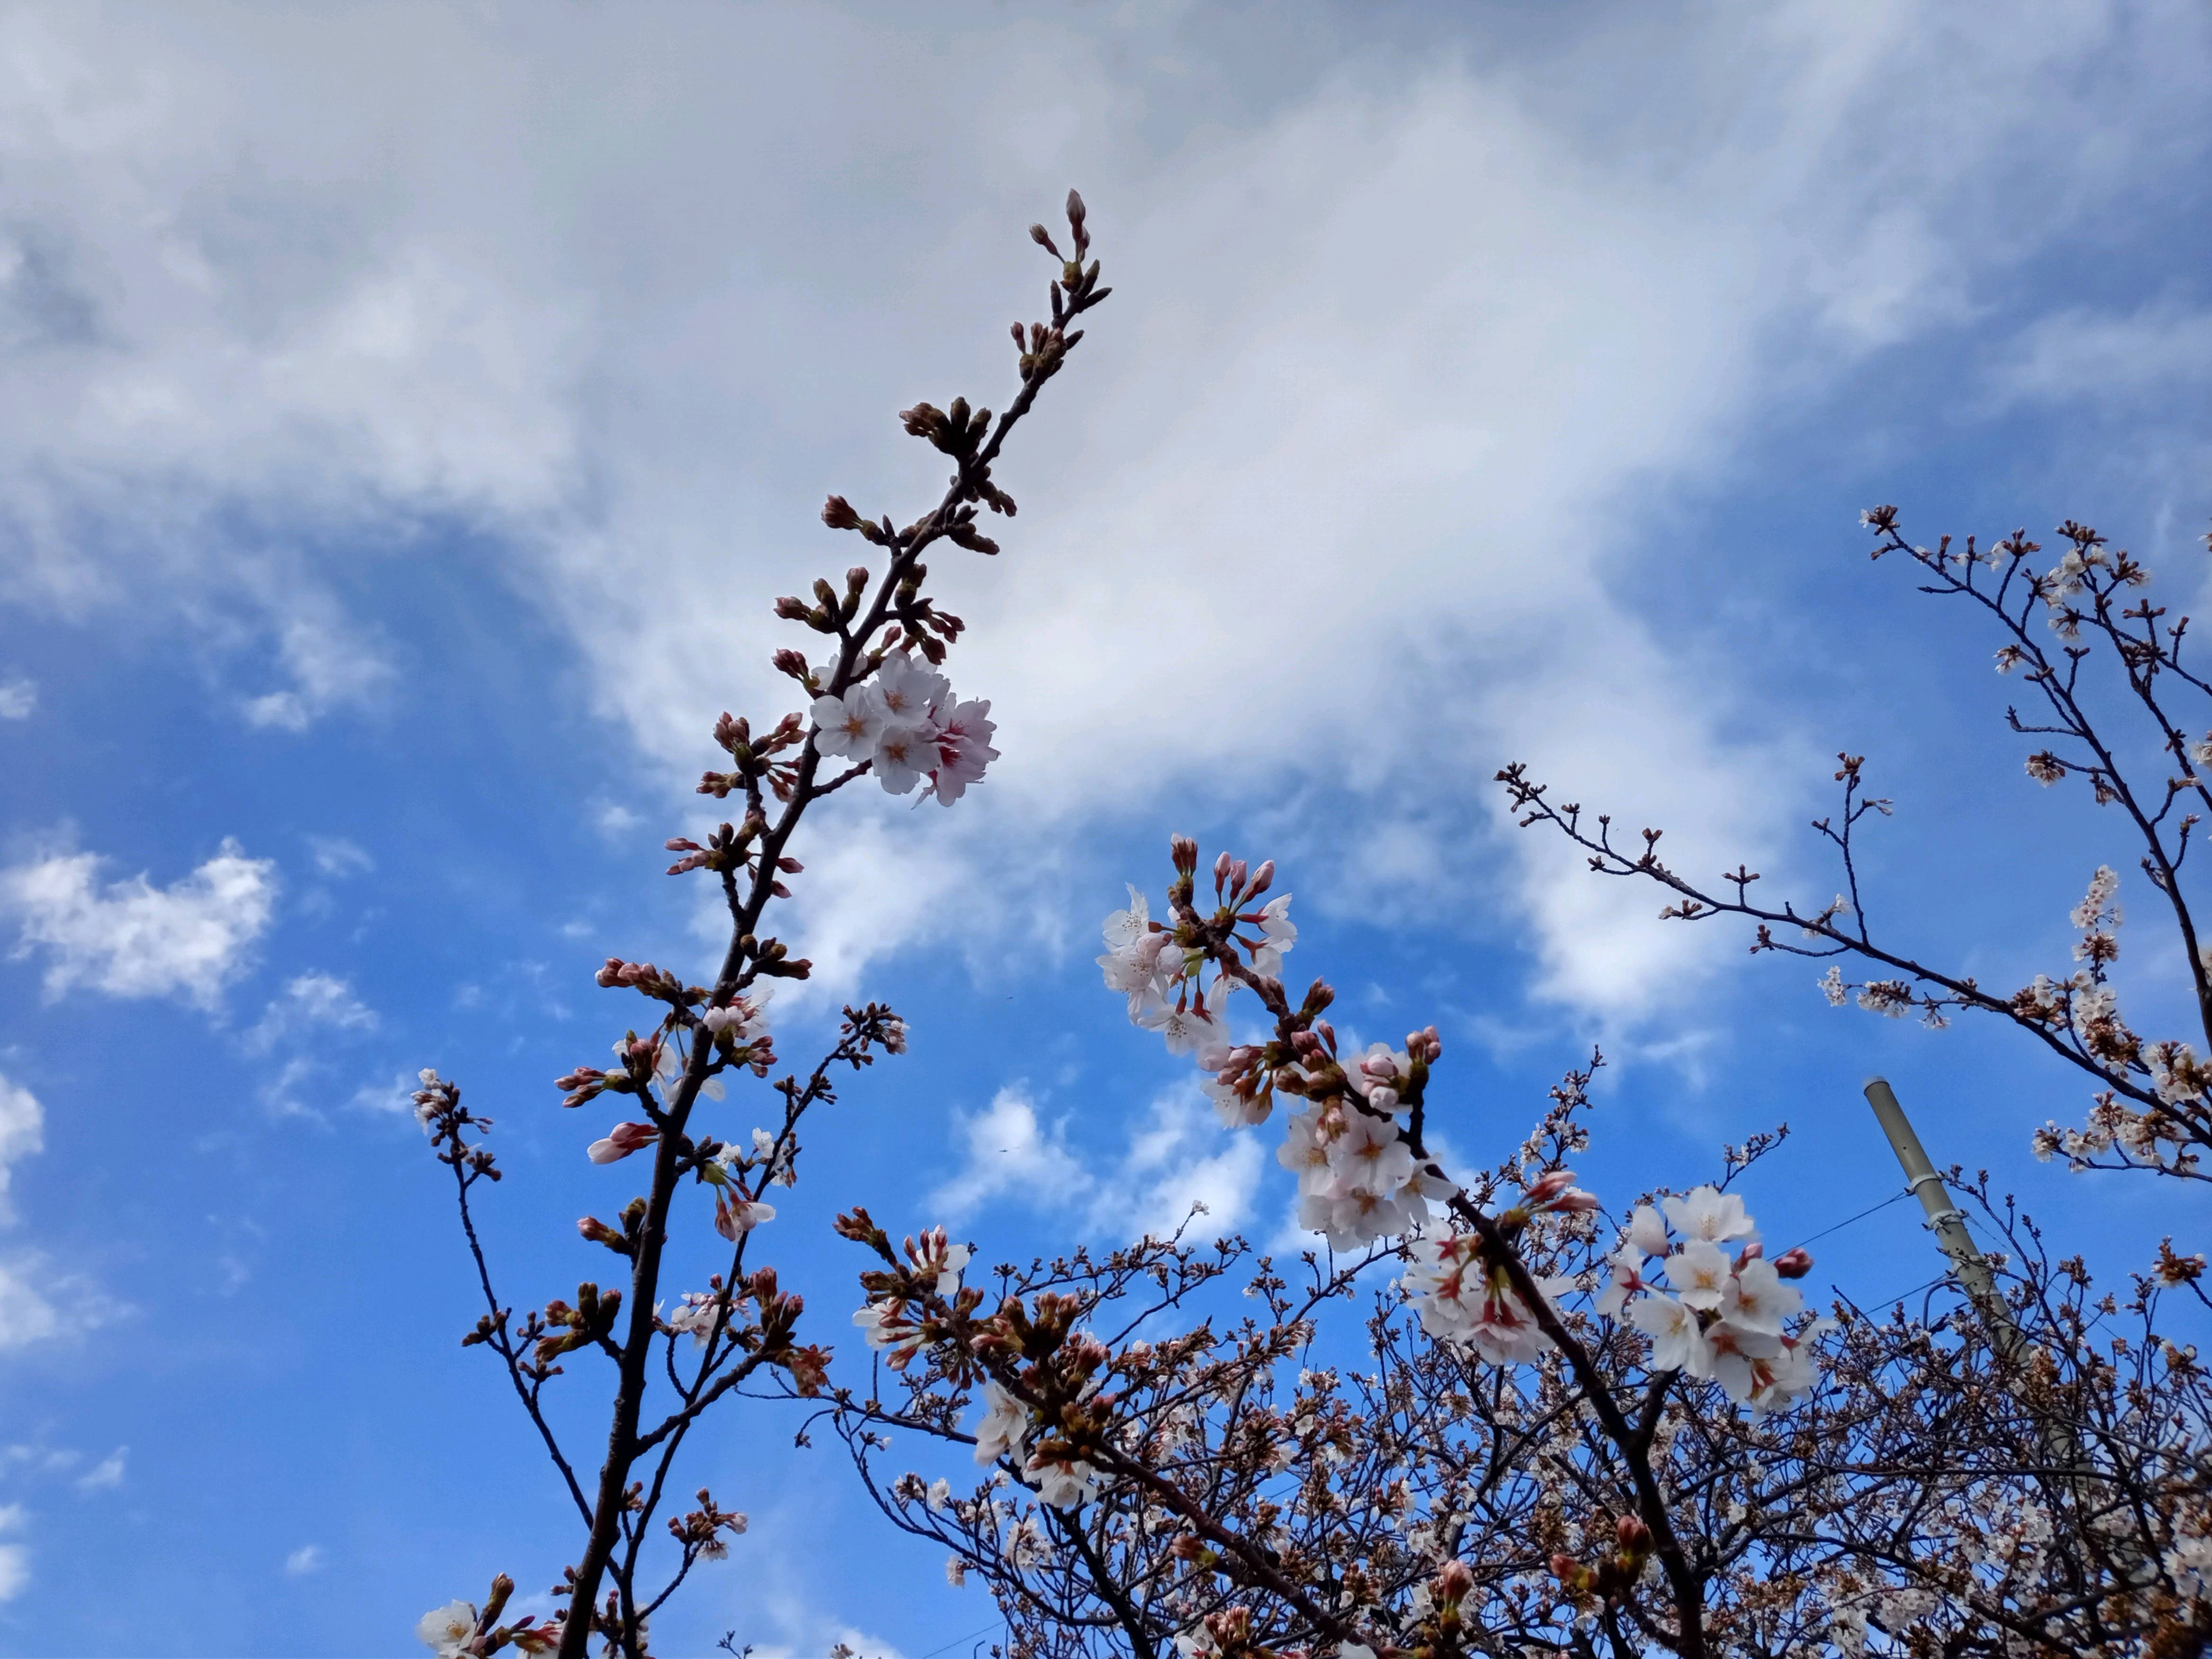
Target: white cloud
(105,1476)
(42,1303)
(330,667)
(134,939)
(395,1097)
(15,1559)
(306,1560)
(18,699)
(311,1002)
(22,1133)
(1176,1157)
(338,858)
(1409,341)
(1006,1153)
(38,1300)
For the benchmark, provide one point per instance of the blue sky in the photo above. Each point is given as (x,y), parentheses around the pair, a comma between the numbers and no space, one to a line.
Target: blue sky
(411,412)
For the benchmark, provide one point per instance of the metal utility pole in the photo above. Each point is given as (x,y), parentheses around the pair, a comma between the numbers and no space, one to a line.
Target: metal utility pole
(1948,1223)
(1945,1219)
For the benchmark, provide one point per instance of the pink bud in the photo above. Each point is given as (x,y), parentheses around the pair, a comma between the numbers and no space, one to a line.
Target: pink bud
(1793,1264)
(1222,865)
(1550,1185)
(1752,1250)
(621,1141)
(607,975)
(1263,878)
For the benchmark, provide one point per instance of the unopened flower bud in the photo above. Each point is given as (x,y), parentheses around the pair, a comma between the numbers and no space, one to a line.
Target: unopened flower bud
(1793,1264)
(1633,1536)
(837,512)
(621,1141)
(793,663)
(1184,851)
(1550,1185)
(1453,1583)
(1263,878)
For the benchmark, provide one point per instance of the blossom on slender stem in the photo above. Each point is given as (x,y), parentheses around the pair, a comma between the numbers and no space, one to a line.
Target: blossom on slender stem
(1005,1423)
(891,1326)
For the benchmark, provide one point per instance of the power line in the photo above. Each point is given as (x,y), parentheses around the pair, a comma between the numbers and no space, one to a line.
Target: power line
(958,1640)
(1902,1192)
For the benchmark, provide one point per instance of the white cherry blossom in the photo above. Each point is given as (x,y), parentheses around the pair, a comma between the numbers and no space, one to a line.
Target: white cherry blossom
(1646,1231)
(901,755)
(1699,1272)
(1758,1299)
(1005,1423)
(1677,1343)
(447,1630)
(849,726)
(1707,1213)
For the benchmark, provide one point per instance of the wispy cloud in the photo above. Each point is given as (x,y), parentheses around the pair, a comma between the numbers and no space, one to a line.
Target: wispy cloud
(337,858)
(22,1133)
(41,1301)
(106,1474)
(311,1002)
(1174,1159)
(14,1556)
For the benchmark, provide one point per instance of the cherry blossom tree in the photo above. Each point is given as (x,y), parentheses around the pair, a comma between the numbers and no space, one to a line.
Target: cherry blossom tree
(1477,1417)
(1486,1410)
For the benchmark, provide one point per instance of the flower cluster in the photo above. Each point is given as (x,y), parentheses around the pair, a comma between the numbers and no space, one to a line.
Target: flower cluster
(1464,1297)
(1464,1293)
(1358,1178)
(905,724)
(1728,1319)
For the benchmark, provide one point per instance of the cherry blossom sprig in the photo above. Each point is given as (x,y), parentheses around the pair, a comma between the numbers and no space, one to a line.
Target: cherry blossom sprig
(459,1630)
(2153,1099)
(878,703)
